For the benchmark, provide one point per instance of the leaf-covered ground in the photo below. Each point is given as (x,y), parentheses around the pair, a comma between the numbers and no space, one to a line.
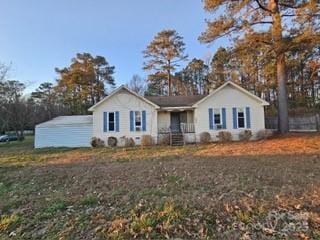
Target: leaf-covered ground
(250,190)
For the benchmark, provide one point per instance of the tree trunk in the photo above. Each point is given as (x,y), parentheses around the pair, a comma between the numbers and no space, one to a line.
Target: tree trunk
(169,79)
(282,95)
(283,118)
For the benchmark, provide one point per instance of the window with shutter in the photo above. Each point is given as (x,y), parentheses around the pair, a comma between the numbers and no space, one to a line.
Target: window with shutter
(111,121)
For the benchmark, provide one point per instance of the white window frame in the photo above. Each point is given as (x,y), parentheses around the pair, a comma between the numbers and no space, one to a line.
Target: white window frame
(244,118)
(137,128)
(114,122)
(214,119)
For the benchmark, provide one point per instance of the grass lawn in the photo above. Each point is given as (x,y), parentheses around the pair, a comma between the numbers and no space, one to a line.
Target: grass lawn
(250,190)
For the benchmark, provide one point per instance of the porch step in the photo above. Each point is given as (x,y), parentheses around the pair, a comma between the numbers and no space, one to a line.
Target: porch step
(177,139)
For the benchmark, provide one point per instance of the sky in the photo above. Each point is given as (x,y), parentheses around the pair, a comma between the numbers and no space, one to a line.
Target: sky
(36,36)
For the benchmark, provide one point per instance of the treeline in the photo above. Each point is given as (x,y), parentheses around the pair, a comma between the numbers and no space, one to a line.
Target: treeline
(252,68)
(274,53)
(78,86)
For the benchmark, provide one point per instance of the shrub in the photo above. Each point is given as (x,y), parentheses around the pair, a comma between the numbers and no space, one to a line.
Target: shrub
(112,141)
(129,142)
(96,142)
(224,136)
(205,137)
(264,134)
(164,139)
(245,135)
(146,140)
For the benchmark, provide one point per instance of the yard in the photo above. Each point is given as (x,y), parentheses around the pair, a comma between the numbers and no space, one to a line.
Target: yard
(250,190)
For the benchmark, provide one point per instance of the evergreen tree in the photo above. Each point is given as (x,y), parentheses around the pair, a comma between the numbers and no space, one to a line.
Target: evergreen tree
(283,25)
(163,55)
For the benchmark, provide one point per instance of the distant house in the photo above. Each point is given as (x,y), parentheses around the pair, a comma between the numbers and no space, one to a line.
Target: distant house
(125,114)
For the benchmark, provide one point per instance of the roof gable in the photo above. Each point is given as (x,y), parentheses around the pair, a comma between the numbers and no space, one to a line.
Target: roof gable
(236,86)
(118,90)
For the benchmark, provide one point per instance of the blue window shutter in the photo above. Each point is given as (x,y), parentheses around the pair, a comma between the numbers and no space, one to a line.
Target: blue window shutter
(224,118)
(144,121)
(234,115)
(210,118)
(248,117)
(131,121)
(117,121)
(105,121)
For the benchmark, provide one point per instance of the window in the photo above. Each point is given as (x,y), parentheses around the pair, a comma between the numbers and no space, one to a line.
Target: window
(137,118)
(111,121)
(217,116)
(241,118)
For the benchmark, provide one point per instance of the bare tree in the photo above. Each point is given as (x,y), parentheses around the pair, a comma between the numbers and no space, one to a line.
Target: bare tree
(137,84)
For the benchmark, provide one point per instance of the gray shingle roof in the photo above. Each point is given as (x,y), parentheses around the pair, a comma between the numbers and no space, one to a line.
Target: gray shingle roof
(68,120)
(175,101)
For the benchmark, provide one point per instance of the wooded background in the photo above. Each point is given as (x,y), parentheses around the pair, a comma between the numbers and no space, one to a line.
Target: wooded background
(274,53)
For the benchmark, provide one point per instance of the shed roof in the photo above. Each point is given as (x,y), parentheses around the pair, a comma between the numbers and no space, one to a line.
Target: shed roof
(68,120)
(175,101)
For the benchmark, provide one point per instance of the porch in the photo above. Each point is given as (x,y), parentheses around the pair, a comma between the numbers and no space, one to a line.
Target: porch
(176,127)
(176,122)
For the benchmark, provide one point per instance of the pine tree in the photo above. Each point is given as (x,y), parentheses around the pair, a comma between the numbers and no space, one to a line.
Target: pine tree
(283,25)
(163,55)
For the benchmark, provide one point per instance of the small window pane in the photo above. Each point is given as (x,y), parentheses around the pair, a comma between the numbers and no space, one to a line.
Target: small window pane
(241,122)
(217,116)
(111,121)
(138,120)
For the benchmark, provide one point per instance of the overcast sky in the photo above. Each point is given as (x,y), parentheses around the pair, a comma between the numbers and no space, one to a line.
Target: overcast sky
(38,35)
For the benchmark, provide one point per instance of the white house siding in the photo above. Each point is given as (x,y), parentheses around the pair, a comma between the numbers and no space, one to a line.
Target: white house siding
(190,117)
(124,102)
(228,97)
(163,120)
(63,136)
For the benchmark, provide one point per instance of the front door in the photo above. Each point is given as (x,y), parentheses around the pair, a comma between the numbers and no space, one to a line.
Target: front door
(175,122)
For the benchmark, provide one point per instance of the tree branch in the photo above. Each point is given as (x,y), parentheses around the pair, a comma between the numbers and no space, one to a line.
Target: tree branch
(292,6)
(263,7)
(297,15)
(261,22)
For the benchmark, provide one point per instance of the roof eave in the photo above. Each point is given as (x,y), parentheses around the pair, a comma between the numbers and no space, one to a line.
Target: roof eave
(263,102)
(91,109)
(176,108)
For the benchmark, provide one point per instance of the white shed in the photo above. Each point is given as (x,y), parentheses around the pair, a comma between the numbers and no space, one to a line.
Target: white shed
(64,131)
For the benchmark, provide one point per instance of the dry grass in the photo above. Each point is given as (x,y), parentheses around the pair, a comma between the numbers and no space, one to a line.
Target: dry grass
(224,191)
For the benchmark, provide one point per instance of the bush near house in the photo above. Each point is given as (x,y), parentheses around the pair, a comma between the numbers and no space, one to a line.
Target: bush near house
(164,139)
(245,135)
(205,137)
(97,142)
(112,141)
(146,140)
(264,134)
(129,142)
(224,136)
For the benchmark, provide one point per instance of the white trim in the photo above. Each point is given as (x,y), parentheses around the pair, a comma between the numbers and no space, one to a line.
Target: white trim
(263,102)
(91,109)
(170,109)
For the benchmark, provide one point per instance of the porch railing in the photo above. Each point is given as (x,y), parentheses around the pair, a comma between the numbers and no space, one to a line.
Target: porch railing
(182,127)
